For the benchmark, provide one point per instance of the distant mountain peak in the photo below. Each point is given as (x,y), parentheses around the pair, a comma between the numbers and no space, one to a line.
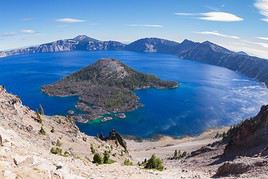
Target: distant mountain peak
(153,45)
(242,53)
(83,38)
(186,42)
(106,67)
(216,47)
(208,43)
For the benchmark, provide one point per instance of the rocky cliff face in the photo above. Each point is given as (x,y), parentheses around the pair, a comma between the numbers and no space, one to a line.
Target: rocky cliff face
(79,43)
(206,52)
(215,55)
(250,137)
(153,45)
(2,54)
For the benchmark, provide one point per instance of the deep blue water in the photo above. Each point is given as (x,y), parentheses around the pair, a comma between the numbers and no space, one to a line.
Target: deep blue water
(209,96)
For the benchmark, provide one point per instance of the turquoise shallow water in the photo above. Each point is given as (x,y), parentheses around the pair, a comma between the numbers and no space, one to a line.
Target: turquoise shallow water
(209,96)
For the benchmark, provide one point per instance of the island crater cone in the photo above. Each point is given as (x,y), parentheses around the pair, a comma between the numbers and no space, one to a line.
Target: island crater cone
(106,86)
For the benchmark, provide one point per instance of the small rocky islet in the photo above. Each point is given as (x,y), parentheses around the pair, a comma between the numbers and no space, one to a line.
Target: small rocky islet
(105,87)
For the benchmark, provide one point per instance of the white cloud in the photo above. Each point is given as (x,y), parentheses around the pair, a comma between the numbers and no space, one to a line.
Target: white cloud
(214,16)
(250,47)
(70,20)
(262,38)
(262,6)
(265,45)
(220,16)
(145,25)
(28,31)
(215,33)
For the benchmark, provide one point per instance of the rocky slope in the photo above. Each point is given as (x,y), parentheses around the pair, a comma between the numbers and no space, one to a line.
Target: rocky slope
(25,151)
(28,140)
(243,150)
(213,54)
(105,86)
(250,137)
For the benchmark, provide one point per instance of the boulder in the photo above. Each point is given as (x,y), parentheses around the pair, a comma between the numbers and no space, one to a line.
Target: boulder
(116,136)
(229,169)
(202,150)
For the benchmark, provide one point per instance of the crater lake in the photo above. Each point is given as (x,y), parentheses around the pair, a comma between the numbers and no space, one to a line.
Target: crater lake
(208,96)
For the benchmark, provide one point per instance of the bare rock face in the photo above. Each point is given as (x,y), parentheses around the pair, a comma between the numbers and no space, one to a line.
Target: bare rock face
(79,43)
(202,150)
(1,141)
(250,137)
(152,45)
(117,137)
(228,169)
(2,54)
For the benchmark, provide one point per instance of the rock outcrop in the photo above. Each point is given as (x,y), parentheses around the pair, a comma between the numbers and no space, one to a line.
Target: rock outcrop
(1,141)
(250,137)
(232,169)
(117,137)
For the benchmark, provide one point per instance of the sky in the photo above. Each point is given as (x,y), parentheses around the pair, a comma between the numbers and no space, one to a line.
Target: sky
(240,25)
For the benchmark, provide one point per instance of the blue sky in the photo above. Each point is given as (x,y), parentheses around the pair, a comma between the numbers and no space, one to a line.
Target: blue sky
(235,24)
